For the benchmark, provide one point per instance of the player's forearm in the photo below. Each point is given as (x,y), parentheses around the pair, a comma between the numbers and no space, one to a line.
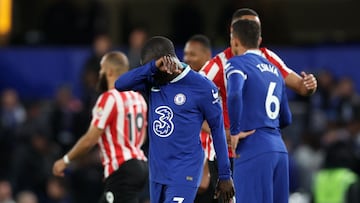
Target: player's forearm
(82,146)
(296,83)
(220,145)
(234,103)
(136,78)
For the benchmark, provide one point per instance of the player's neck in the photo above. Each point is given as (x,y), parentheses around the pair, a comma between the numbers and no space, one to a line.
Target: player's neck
(111,83)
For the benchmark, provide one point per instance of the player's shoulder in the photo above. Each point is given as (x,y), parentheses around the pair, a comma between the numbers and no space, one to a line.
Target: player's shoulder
(218,60)
(267,53)
(200,80)
(237,60)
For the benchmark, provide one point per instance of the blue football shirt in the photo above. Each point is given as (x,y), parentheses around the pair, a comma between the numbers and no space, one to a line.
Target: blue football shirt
(256,100)
(176,113)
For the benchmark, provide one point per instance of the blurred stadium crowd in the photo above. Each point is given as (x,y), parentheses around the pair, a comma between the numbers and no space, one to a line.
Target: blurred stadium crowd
(325,132)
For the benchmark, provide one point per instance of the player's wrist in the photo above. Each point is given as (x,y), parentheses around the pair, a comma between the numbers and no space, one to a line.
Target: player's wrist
(66,159)
(153,67)
(225,177)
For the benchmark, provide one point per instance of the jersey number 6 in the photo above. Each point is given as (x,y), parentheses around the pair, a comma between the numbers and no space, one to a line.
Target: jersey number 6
(272,101)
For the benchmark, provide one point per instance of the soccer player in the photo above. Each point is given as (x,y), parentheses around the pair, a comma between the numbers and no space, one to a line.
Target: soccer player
(257,100)
(179,101)
(304,85)
(197,51)
(119,127)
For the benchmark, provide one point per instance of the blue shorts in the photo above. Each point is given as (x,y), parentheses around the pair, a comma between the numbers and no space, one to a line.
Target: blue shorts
(264,178)
(160,193)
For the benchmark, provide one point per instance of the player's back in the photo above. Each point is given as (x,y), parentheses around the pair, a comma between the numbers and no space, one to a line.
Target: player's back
(262,92)
(123,117)
(263,95)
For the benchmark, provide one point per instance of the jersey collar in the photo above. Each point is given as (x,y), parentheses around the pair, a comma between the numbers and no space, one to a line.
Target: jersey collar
(181,75)
(253,51)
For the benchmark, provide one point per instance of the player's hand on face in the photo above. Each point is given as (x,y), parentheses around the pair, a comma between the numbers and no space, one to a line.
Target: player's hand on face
(235,139)
(168,64)
(59,167)
(225,190)
(309,81)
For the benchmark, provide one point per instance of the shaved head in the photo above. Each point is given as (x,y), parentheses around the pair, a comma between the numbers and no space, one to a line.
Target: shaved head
(117,61)
(113,64)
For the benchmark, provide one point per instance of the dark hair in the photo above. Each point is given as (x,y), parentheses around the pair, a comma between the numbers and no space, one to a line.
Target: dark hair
(202,39)
(243,12)
(248,32)
(155,48)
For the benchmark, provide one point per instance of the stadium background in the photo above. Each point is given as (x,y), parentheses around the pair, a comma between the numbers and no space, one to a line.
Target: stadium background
(46,49)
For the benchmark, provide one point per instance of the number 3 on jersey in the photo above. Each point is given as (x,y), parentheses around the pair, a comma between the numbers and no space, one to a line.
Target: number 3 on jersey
(272,103)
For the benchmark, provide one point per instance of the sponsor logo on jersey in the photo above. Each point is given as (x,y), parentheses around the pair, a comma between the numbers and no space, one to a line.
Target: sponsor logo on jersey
(99,111)
(163,126)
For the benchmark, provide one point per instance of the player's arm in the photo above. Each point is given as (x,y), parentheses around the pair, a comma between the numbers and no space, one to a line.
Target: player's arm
(304,85)
(82,146)
(102,116)
(211,108)
(137,78)
(225,186)
(236,79)
(205,127)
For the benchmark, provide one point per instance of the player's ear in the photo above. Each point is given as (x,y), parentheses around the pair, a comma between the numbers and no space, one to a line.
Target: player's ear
(237,42)
(259,41)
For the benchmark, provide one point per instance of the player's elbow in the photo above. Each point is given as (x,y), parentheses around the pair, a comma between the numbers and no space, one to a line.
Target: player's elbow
(120,84)
(233,98)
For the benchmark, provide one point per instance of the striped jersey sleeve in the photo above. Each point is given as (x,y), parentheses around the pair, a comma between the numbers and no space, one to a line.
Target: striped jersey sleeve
(276,60)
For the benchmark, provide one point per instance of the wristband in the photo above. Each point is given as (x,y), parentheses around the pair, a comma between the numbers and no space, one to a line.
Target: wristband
(66,159)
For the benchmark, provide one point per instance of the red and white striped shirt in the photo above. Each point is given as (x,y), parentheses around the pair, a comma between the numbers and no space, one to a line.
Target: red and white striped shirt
(214,70)
(123,117)
(208,146)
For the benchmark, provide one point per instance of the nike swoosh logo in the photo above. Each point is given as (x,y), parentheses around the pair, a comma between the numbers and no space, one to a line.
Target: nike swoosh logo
(215,94)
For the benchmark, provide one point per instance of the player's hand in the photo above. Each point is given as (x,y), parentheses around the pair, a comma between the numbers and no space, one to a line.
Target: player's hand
(309,81)
(225,190)
(59,167)
(169,64)
(235,139)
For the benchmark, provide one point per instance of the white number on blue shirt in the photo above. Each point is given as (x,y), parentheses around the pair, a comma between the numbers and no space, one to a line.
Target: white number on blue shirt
(272,100)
